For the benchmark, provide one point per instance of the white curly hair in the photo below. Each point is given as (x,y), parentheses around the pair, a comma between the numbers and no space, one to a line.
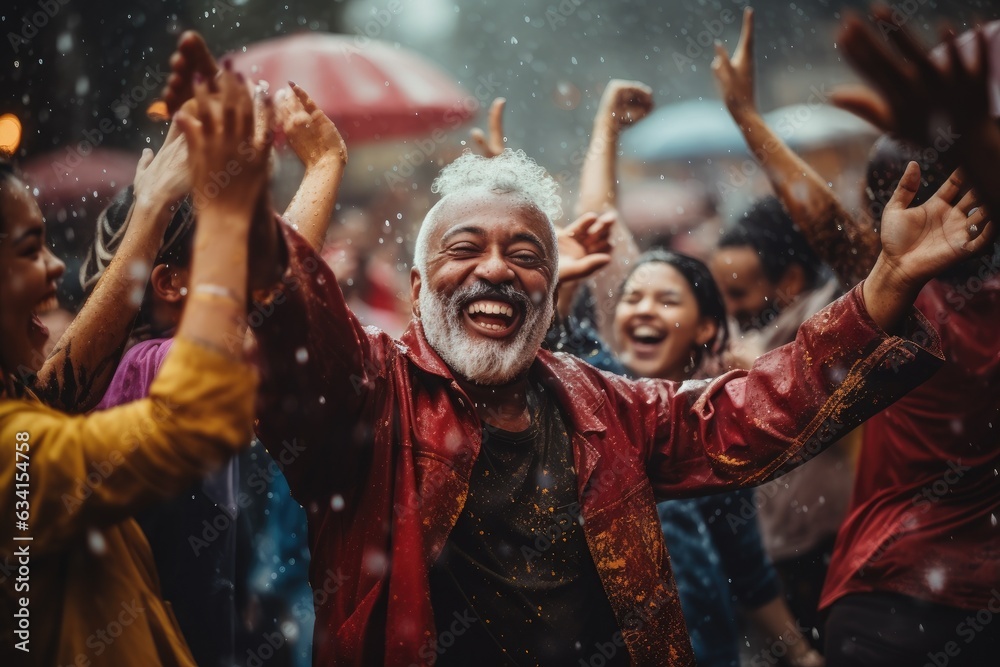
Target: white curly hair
(511,172)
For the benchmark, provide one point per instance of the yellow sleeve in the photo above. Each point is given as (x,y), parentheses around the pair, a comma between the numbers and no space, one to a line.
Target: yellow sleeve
(92,471)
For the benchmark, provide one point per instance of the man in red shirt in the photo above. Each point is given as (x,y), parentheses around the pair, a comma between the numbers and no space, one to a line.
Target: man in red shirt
(488,502)
(914,578)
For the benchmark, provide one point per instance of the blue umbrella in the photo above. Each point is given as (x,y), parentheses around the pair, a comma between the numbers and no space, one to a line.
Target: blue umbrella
(804,126)
(685,130)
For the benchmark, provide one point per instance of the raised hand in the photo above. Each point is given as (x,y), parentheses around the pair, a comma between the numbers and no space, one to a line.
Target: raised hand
(310,133)
(165,177)
(191,58)
(921,242)
(735,76)
(625,102)
(913,97)
(585,246)
(494,145)
(317,142)
(228,148)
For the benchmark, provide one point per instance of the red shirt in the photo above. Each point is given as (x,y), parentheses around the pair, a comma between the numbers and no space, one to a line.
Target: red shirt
(923,517)
(378,442)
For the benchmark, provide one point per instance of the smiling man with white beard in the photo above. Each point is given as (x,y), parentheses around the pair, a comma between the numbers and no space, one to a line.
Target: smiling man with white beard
(490,502)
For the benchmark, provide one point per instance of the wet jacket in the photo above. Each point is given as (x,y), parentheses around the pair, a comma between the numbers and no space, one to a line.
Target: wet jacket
(377,441)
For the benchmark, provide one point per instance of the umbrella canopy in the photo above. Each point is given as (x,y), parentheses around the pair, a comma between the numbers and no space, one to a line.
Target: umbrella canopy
(373,91)
(68,178)
(686,130)
(805,126)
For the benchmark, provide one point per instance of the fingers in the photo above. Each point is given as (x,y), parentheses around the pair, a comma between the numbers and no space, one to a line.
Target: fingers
(951,187)
(583,267)
(907,188)
(496,124)
(191,57)
(578,226)
(721,55)
(192,129)
(744,48)
(907,45)
(873,60)
(263,137)
(206,106)
(144,160)
(303,97)
(479,137)
(864,103)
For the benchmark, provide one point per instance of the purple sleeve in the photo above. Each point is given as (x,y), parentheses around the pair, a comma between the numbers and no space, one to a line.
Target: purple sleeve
(136,372)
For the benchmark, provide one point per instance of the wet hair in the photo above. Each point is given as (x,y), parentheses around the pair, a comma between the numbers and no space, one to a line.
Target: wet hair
(887,161)
(8,175)
(706,295)
(769,230)
(511,172)
(176,249)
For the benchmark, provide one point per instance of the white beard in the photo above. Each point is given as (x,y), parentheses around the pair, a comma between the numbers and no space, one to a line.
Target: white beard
(482,360)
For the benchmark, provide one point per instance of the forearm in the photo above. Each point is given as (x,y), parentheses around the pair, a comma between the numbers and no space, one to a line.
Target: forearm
(83,362)
(842,241)
(598,184)
(598,193)
(312,206)
(214,314)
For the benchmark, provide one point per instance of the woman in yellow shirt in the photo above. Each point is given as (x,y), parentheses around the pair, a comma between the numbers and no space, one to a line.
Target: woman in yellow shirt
(77,581)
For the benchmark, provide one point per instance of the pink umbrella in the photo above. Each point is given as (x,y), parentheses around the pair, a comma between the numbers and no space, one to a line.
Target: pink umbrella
(373,91)
(68,177)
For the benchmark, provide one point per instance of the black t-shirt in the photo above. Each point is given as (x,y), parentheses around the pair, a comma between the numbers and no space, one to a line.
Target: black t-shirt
(515,583)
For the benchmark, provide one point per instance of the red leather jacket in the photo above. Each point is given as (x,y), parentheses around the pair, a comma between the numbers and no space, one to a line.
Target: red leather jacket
(377,441)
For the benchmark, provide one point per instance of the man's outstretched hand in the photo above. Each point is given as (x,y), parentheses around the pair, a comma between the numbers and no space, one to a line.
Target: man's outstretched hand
(920,243)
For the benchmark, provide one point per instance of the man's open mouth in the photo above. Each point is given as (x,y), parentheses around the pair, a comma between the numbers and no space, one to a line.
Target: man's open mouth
(492,318)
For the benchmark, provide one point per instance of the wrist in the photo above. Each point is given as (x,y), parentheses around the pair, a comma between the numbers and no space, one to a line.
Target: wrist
(327,163)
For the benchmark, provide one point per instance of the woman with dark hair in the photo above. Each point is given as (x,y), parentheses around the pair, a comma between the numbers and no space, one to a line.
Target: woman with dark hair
(69,485)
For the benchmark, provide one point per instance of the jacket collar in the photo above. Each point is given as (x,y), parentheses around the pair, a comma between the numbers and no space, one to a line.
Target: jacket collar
(575,392)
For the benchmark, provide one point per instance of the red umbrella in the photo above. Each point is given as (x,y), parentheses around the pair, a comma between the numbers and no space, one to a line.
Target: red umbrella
(372,92)
(68,177)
